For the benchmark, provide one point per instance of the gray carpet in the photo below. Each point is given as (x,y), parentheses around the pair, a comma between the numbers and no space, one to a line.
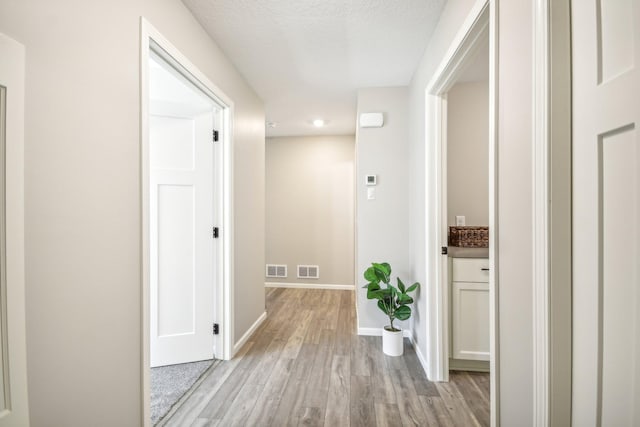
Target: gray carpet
(169,383)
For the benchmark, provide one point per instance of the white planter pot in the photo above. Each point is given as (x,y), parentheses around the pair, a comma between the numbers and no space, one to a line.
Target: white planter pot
(392,342)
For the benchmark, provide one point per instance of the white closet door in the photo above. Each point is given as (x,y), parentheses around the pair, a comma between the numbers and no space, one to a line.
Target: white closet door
(606,213)
(182,245)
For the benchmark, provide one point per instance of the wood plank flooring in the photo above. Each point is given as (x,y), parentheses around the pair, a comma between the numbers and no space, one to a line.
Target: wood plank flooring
(305,366)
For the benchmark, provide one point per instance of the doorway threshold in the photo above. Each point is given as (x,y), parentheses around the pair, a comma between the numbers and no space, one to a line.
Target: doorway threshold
(172,385)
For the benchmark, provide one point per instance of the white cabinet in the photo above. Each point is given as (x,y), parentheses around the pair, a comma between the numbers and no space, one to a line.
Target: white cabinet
(470,308)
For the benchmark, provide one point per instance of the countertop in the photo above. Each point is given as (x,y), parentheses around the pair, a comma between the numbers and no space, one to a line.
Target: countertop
(457,252)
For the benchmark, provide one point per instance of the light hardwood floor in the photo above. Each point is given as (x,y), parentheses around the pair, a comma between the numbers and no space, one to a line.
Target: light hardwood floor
(306,366)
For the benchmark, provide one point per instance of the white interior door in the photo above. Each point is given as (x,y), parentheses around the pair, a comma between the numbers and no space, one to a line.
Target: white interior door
(606,213)
(13,355)
(183,208)
(182,244)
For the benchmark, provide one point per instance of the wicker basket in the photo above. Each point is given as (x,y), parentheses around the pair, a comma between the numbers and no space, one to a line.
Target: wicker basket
(469,237)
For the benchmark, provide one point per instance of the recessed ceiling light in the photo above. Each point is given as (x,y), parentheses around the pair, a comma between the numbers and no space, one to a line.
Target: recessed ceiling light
(318,123)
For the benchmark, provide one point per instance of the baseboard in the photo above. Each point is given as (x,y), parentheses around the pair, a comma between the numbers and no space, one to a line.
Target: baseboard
(469,365)
(308,286)
(377,332)
(421,358)
(242,341)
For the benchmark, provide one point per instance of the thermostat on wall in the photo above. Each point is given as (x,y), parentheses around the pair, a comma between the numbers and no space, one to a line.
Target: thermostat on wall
(371,179)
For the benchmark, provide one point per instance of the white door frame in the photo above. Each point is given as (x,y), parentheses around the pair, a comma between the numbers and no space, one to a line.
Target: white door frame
(479,24)
(13,359)
(151,39)
(552,275)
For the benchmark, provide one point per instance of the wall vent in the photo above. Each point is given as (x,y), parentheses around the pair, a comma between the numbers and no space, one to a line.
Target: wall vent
(275,270)
(308,272)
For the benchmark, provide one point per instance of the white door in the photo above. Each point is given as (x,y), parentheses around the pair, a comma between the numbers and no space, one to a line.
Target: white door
(13,355)
(606,213)
(183,256)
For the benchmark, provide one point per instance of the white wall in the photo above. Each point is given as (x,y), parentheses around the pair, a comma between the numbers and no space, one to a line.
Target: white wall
(514,165)
(383,223)
(310,206)
(82,173)
(468,153)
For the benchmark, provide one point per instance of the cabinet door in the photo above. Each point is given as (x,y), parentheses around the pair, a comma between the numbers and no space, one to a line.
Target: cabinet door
(470,320)
(470,270)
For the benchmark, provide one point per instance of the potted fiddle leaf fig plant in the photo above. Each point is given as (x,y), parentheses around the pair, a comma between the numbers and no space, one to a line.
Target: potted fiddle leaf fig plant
(393,301)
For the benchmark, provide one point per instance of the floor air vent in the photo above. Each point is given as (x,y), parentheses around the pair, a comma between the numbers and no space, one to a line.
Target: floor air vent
(274,270)
(308,272)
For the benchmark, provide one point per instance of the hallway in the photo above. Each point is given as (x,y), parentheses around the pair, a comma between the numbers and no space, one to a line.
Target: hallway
(306,366)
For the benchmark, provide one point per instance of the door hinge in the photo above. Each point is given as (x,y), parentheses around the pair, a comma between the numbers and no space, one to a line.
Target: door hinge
(216,329)
(216,232)
(445,250)
(215,135)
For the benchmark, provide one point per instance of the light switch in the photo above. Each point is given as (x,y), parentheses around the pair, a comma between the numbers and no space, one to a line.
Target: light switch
(460,220)
(371,193)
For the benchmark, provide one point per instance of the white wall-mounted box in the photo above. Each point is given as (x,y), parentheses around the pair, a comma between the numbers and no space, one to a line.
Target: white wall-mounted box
(371,120)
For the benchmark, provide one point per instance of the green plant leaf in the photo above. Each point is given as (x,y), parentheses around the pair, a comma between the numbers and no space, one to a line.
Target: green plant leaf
(401,285)
(386,292)
(370,274)
(376,294)
(405,299)
(382,307)
(413,287)
(403,312)
(381,276)
(382,271)
(384,267)
(373,286)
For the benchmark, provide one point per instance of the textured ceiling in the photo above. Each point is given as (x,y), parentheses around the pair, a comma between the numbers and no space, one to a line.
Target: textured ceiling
(307,58)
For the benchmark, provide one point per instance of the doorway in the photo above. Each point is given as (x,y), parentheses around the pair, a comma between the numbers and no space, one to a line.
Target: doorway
(183,206)
(465,199)
(184,209)
(187,231)
(475,40)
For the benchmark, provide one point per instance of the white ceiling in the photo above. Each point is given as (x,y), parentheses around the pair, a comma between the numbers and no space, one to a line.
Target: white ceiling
(307,58)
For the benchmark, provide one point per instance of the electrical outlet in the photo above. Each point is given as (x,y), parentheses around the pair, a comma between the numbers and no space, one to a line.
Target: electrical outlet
(460,220)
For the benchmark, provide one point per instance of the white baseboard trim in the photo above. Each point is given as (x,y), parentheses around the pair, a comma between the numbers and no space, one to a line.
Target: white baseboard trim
(469,365)
(421,357)
(242,341)
(377,332)
(308,286)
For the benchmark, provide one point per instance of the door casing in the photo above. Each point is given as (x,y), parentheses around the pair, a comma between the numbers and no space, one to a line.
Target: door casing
(14,408)
(552,232)
(152,40)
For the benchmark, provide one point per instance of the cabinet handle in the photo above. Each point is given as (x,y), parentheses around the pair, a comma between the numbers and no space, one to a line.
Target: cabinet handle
(484,269)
